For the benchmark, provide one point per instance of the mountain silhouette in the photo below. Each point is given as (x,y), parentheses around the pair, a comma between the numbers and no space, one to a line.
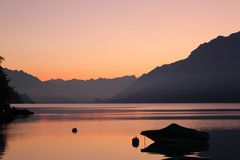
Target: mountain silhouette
(209,74)
(69,91)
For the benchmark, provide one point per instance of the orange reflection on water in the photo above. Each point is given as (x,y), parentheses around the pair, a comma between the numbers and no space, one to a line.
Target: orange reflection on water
(48,134)
(94,140)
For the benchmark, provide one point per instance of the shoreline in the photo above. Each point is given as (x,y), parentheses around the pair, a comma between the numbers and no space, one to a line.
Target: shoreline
(9,114)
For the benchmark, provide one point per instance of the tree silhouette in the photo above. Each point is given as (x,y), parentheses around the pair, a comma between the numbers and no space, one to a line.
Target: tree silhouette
(7,94)
(1,60)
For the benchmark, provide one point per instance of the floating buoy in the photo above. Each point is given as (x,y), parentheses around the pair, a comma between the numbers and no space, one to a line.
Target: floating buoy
(74,130)
(135,142)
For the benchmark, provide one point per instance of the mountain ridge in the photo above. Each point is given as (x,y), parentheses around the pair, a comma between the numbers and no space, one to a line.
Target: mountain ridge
(195,79)
(66,91)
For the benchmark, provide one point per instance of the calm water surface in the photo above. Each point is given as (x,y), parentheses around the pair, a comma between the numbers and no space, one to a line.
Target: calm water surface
(105,131)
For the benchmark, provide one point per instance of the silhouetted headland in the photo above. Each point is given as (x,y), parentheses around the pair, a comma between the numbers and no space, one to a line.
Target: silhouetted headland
(8,113)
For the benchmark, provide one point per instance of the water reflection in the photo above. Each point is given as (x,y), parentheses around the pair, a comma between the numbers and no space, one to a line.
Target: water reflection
(176,150)
(4,135)
(187,158)
(38,137)
(134,111)
(112,140)
(3,140)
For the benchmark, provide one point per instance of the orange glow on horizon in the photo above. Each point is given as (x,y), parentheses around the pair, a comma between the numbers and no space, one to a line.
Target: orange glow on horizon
(92,39)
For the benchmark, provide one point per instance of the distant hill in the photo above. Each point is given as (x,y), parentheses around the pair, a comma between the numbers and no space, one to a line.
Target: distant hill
(210,74)
(70,91)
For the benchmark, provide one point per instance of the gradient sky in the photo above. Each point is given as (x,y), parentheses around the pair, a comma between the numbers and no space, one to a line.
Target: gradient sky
(107,38)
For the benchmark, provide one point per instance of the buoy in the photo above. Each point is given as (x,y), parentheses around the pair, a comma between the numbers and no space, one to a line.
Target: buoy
(74,130)
(135,142)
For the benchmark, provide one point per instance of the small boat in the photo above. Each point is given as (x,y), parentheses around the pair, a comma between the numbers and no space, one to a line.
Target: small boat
(176,133)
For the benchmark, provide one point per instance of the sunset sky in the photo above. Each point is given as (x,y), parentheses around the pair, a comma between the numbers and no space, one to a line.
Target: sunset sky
(87,39)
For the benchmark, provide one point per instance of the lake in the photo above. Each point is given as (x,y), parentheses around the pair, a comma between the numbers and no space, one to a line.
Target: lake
(105,131)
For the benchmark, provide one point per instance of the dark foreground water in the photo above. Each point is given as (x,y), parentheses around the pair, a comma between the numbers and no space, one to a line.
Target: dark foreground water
(105,131)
